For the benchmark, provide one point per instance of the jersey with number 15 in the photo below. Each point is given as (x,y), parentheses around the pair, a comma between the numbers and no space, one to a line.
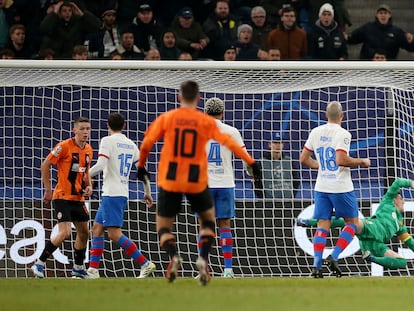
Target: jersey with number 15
(122,153)
(325,141)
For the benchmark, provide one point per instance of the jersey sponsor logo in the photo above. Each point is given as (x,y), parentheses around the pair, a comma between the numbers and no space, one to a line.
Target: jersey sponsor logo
(325,138)
(124,146)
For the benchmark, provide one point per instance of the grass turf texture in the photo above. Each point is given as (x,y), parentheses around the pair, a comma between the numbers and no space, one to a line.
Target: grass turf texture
(359,293)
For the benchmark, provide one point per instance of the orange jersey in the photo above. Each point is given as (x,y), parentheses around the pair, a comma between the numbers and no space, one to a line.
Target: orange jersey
(72,165)
(183,162)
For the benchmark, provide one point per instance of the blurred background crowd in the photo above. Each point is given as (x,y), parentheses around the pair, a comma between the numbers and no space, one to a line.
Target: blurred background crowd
(228,30)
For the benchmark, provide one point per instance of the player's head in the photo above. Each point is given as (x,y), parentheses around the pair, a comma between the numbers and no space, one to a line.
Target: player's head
(116,122)
(214,107)
(189,92)
(82,129)
(399,202)
(334,112)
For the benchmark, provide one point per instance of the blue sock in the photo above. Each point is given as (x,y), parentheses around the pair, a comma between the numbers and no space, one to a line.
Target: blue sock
(96,252)
(346,236)
(319,242)
(226,242)
(131,249)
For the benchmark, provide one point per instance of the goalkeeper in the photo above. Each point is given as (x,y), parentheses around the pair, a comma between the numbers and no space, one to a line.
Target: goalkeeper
(375,231)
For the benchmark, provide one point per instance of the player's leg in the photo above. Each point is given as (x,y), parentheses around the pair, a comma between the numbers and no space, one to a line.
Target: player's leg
(62,214)
(381,254)
(225,211)
(169,205)
(346,206)
(312,222)
(98,244)
(80,219)
(202,204)
(323,212)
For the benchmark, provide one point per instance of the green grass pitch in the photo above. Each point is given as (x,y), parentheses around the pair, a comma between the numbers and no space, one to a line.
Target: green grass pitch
(259,293)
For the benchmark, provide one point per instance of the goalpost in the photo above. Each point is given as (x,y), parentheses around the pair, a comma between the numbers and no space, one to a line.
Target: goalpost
(40,99)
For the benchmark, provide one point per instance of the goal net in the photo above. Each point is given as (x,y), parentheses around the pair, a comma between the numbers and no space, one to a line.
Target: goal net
(39,101)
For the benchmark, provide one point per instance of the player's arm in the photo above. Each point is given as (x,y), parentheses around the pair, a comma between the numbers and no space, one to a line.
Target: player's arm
(45,170)
(343,159)
(143,176)
(99,166)
(407,239)
(306,159)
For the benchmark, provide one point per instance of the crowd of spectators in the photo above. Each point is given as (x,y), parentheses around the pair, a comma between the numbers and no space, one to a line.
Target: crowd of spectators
(193,30)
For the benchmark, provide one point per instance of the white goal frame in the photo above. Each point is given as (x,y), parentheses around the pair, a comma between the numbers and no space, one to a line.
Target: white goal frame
(267,242)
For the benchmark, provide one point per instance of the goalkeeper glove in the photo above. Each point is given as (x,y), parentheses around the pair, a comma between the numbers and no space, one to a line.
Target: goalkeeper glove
(142,174)
(256,171)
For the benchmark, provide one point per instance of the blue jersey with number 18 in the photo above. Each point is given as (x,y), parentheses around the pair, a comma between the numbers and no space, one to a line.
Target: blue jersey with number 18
(325,141)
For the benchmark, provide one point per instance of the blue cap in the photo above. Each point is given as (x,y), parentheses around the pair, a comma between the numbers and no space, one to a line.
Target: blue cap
(276,136)
(186,12)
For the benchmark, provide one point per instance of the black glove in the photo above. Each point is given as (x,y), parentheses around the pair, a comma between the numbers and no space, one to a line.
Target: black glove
(257,172)
(142,173)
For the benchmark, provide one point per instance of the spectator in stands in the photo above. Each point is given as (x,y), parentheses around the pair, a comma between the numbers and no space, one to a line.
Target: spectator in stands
(128,49)
(381,34)
(326,40)
(290,39)
(190,36)
(168,49)
(274,10)
(242,9)
(185,56)
(147,30)
(260,27)
(126,11)
(18,43)
(230,53)
(80,52)
(103,42)
(6,54)
(28,14)
(246,50)
(115,55)
(65,26)
(98,7)
(47,54)
(342,16)
(221,28)
(273,54)
(379,55)
(279,179)
(153,54)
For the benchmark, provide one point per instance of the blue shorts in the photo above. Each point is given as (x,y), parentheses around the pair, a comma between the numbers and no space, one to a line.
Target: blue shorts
(344,204)
(111,211)
(223,199)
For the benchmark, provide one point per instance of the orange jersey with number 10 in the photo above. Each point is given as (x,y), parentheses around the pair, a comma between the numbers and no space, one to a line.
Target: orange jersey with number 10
(72,165)
(183,162)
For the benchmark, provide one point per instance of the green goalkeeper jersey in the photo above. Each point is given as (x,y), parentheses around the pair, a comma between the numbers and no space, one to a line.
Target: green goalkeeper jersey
(387,220)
